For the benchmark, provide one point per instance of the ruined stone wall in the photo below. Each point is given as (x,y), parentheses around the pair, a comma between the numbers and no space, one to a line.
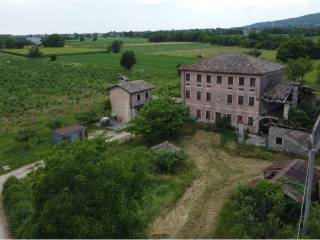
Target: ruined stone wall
(289,140)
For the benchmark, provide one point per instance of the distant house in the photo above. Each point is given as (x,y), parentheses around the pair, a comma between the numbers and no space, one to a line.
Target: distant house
(128,98)
(34,40)
(70,134)
(291,175)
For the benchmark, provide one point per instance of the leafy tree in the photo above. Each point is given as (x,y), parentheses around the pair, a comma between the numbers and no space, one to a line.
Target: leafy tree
(128,60)
(223,123)
(88,117)
(25,135)
(54,124)
(94,39)
(298,68)
(116,46)
(54,40)
(82,38)
(160,118)
(91,190)
(34,52)
(261,212)
(299,118)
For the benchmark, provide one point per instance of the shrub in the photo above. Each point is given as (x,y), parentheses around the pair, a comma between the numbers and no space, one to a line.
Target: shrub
(54,40)
(169,162)
(299,118)
(88,117)
(116,46)
(54,124)
(254,53)
(53,58)
(34,52)
(223,124)
(128,60)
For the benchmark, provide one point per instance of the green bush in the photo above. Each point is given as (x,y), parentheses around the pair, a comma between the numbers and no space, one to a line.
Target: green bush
(34,52)
(169,162)
(223,124)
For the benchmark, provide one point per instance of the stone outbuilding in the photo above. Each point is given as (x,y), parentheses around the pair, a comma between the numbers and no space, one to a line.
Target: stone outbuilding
(166,147)
(128,98)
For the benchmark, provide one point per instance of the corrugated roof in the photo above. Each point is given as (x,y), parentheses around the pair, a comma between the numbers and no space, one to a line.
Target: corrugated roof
(71,129)
(294,171)
(279,91)
(236,64)
(134,86)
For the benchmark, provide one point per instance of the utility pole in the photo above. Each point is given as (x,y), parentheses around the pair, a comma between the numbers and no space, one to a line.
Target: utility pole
(309,191)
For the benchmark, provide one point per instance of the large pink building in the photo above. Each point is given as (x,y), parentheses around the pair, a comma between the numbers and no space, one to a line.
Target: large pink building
(232,85)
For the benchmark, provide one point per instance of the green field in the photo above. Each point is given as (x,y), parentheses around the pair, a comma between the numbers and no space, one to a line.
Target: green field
(57,51)
(35,91)
(104,42)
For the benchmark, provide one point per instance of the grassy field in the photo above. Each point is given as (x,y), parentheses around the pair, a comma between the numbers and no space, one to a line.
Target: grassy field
(221,163)
(104,42)
(35,91)
(57,51)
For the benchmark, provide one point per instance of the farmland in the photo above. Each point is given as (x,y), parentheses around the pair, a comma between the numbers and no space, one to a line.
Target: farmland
(35,91)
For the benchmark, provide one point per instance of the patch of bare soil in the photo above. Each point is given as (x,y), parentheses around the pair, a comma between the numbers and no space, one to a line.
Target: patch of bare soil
(195,214)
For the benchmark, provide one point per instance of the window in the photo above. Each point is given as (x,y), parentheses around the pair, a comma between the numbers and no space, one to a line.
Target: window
(198,113)
(230,80)
(208,97)
(241,81)
(199,78)
(251,101)
(219,79)
(218,116)
(252,82)
(250,121)
(138,97)
(240,100)
(198,95)
(188,77)
(147,95)
(187,94)
(229,117)
(279,141)
(208,115)
(240,119)
(208,78)
(229,99)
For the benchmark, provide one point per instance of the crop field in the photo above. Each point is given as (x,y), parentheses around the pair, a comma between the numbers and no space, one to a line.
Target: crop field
(104,42)
(57,51)
(35,91)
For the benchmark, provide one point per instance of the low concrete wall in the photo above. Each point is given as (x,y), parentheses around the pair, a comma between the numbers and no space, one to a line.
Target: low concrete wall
(293,141)
(316,135)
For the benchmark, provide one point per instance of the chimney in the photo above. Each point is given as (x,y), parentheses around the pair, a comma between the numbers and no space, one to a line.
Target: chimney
(123,79)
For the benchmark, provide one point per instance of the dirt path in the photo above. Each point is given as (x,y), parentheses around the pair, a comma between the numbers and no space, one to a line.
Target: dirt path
(195,214)
(19,173)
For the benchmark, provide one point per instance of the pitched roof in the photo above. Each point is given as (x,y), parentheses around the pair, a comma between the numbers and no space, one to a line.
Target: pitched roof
(134,86)
(165,146)
(278,92)
(294,171)
(236,63)
(71,129)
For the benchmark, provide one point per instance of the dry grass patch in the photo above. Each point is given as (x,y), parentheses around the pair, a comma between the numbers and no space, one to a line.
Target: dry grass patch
(195,214)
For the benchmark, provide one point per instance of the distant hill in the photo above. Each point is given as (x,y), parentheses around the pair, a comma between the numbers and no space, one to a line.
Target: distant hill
(307,20)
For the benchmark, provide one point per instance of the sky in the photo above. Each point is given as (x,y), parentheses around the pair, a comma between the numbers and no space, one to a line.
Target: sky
(81,16)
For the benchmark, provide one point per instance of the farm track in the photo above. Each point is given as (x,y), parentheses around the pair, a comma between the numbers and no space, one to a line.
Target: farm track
(195,214)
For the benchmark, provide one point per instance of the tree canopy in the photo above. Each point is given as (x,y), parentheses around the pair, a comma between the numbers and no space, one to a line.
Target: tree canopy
(298,68)
(160,118)
(116,46)
(88,190)
(128,60)
(54,40)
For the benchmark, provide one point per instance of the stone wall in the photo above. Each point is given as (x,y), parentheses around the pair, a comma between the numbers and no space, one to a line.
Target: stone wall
(289,140)
(316,134)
